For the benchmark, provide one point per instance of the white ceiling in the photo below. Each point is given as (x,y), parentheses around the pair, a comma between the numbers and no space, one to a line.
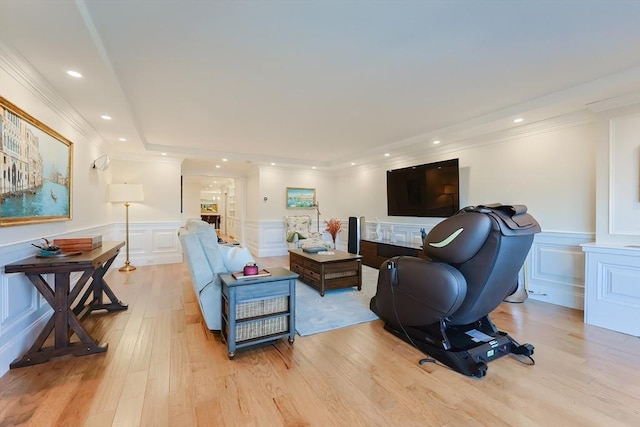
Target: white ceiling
(320,83)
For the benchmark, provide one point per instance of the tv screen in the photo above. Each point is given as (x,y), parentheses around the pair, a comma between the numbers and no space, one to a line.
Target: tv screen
(429,190)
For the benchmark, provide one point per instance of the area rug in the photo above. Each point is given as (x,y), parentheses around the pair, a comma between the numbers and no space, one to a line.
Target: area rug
(337,308)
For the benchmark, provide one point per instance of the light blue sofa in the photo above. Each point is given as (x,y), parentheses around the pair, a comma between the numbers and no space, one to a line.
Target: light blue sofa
(206,259)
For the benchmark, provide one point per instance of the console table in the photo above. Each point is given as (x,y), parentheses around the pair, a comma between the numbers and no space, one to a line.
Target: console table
(257,310)
(66,319)
(375,252)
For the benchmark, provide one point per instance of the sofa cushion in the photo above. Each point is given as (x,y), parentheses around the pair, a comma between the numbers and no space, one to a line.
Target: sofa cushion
(212,252)
(236,257)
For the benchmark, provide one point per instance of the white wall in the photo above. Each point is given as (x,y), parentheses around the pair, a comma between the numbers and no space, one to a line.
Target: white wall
(618,171)
(553,173)
(273,184)
(160,179)
(191,200)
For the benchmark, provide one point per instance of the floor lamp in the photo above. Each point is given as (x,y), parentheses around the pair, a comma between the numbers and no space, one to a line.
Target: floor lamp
(126,193)
(317,206)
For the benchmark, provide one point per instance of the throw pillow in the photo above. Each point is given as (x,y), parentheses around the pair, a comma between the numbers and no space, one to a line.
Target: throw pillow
(295,236)
(235,257)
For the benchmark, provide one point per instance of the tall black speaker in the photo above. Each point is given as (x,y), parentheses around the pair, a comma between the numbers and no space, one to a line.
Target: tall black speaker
(353,245)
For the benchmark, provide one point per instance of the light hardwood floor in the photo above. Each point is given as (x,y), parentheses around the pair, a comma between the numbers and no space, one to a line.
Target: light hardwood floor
(164,368)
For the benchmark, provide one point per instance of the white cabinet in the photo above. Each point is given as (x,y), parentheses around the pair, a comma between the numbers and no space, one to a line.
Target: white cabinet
(612,291)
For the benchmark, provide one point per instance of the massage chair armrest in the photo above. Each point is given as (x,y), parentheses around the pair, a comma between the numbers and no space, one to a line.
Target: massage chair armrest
(424,292)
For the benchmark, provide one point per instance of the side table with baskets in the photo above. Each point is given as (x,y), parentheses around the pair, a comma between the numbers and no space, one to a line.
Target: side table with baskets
(257,310)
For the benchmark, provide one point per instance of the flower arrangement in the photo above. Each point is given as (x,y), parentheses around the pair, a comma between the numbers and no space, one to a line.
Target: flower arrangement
(334,226)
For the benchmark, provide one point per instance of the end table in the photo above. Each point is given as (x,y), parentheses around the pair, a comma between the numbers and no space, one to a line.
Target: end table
(257,310)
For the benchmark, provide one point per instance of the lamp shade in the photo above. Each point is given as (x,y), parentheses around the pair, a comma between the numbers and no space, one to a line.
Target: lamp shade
(125,193)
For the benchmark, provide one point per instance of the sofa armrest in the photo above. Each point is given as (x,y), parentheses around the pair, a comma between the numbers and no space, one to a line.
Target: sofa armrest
(201,274)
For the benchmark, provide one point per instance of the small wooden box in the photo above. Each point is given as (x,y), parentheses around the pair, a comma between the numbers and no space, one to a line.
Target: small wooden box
(78,243)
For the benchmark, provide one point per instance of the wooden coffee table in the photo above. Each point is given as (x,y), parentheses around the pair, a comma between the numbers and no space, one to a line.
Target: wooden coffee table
(324,272)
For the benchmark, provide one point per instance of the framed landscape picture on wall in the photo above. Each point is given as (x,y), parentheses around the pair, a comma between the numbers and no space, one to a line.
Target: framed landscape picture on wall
(300,198)
(35,170)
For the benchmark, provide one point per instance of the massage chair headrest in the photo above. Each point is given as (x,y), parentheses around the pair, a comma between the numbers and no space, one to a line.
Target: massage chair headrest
(458,238)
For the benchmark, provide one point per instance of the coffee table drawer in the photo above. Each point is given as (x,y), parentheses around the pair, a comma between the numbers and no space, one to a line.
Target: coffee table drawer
(297,267)
(312,266)
(312,276)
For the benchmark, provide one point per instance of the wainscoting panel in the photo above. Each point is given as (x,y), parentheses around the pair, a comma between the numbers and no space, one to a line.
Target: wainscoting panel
(555,268)
(164,240)
(269,238)
(613,288)
(149,243)
(22,294)
(23,312)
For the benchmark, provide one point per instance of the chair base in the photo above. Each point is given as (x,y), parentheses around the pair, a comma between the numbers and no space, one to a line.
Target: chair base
(470,352)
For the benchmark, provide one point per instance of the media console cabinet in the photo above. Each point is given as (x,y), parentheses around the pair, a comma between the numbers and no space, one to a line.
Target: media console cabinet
(375,252)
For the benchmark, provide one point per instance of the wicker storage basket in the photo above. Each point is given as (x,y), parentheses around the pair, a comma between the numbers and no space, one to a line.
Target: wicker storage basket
(249,309)
(262,327)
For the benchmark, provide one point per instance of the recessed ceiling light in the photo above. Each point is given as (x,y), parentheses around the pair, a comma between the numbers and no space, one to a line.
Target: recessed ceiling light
(273,164)
(104,116)
(518,120)
(224,160)
(75,74)
(387,154)
(353,163)
(122,139)
(436,142)
(217,166)
(313,167)
(164,154)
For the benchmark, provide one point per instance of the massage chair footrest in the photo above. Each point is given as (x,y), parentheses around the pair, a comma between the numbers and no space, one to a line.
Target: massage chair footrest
(471,360)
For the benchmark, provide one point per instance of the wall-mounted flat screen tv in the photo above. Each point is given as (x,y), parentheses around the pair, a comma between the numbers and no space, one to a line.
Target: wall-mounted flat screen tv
(429,190)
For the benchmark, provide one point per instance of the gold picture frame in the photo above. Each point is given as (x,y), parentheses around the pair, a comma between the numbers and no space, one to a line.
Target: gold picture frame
(300,198)
(36,165)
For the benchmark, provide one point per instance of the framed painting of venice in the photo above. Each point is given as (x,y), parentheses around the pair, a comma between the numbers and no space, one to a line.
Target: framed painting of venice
(35,170)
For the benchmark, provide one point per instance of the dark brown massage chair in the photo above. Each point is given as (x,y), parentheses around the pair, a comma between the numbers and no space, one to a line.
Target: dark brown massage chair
(441,305)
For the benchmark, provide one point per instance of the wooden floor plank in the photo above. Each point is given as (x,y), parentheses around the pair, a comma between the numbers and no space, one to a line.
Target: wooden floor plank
(165,368)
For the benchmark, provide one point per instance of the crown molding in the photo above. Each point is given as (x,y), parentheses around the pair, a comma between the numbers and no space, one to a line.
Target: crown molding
(613,103)
(144,157)
(20,70)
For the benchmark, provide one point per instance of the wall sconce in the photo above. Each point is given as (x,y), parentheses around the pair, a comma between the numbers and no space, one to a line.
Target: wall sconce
(126,193)
(102,163)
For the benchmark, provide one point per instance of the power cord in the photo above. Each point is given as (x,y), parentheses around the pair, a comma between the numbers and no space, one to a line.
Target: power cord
(394,280)
(520,359)
(392,266)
